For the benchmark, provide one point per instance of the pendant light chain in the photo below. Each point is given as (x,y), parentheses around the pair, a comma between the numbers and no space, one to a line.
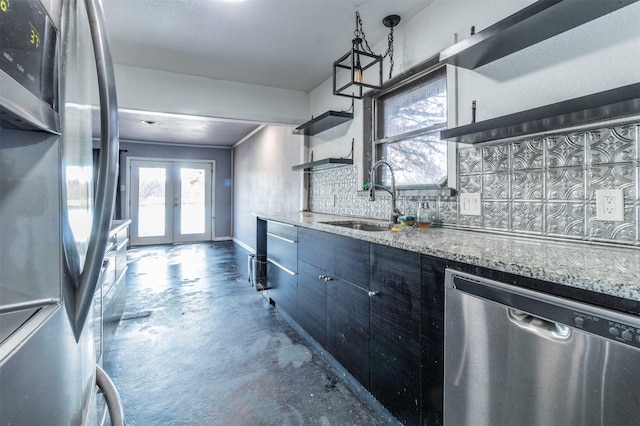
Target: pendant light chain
(389,52)
(359,33)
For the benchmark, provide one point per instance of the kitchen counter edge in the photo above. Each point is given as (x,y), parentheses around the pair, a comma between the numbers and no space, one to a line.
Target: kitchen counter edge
(610,270)
(117,225)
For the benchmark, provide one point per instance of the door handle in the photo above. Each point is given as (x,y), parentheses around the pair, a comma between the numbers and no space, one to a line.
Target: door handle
(111,396)
(107,171)
(539,326)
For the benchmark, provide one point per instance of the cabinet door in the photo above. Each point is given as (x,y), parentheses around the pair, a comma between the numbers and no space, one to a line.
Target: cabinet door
(348,327)
(351,260)
(395,331)
(312,302)
(339,256)
(317,248)
(432,339)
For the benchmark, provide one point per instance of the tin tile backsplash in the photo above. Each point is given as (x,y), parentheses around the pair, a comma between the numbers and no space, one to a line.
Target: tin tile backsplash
(544,187)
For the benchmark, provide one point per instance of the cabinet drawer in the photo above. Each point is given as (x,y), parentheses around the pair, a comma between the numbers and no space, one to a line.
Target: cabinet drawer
(108,274)
(121,257)
(282,251)
(122,235)
(284,230)
(113,302)
(283,288)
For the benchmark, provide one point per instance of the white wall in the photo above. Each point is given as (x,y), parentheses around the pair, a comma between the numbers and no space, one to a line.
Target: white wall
(263,181)
(600,55)
(151,90)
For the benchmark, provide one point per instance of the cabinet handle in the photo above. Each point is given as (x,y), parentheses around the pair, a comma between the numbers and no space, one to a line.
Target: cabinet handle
(328,279)
(322,277)
(373,293)
(287,240)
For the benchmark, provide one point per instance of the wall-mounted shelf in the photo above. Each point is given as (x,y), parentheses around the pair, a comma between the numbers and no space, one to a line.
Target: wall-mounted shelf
(325,163)
(533,24)
(616,103)
(323,122)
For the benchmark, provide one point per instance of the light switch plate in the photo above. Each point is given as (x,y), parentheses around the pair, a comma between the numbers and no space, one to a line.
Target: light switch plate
(470,204)
(610,205)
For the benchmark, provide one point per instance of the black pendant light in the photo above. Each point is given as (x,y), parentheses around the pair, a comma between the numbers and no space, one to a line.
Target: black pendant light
(360,68)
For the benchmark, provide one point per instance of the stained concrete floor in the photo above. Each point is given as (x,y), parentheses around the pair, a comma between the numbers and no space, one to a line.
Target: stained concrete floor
(199,346)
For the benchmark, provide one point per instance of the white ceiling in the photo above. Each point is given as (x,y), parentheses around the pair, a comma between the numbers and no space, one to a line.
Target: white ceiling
(180,129)
(289,44)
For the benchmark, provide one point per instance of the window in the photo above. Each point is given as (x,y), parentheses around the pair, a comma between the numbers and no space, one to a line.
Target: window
(409,119)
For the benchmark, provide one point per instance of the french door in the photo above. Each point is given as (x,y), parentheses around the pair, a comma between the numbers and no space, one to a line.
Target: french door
(171,201)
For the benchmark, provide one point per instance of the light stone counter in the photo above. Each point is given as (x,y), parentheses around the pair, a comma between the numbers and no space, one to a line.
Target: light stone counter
(604,269)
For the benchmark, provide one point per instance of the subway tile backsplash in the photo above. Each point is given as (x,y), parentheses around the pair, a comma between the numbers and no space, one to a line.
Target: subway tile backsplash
(540,186)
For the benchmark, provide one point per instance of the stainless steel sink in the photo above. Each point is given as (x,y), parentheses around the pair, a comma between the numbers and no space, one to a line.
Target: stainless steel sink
(361,226)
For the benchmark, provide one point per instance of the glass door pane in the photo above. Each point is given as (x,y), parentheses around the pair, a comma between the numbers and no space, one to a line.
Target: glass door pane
(194,206)
(192,201)
(151,202)
(152,198)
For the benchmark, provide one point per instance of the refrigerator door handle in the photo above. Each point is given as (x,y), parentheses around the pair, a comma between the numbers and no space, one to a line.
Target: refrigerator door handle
(107,171)
(111,397)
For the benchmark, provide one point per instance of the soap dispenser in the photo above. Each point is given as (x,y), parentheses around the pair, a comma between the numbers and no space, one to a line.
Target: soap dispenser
(423,219)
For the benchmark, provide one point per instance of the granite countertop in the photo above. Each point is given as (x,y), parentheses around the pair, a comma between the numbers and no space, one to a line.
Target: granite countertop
(604,269)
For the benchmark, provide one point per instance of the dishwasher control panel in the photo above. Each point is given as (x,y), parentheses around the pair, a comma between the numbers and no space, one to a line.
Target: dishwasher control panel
(608,328)
(606,323)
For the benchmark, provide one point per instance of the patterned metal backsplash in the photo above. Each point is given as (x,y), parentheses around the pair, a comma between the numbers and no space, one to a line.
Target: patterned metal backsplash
(544,187)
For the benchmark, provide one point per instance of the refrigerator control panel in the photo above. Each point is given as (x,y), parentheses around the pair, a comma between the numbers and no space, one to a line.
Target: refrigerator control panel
(28,40)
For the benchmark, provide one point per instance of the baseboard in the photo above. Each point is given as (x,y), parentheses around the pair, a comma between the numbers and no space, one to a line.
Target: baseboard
(222,239)
(244,246)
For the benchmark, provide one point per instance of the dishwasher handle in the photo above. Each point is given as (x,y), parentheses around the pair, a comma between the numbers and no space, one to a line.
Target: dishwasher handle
(539,326)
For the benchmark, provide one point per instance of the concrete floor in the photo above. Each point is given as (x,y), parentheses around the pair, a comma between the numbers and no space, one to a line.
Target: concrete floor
(199,346)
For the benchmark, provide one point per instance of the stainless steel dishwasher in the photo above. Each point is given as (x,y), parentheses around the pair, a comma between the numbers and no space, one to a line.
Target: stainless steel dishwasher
(519,357)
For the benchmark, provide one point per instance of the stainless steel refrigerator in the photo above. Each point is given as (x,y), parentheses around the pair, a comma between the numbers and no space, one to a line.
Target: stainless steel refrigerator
(54,59)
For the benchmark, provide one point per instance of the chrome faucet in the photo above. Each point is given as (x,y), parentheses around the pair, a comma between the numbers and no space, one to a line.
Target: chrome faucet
(395,213)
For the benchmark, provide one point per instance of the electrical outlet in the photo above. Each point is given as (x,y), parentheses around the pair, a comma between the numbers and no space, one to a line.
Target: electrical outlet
(610,205)
(470,204)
